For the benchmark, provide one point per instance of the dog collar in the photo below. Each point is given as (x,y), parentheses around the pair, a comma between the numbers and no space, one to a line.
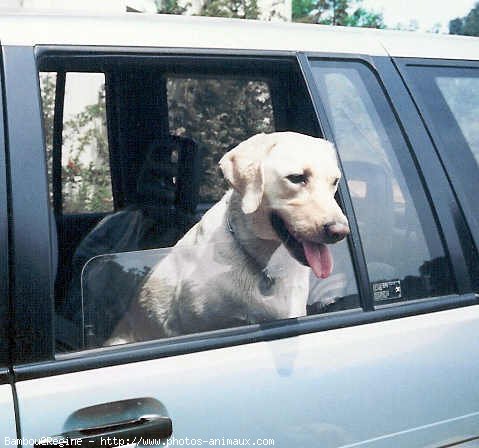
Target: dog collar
(266,281)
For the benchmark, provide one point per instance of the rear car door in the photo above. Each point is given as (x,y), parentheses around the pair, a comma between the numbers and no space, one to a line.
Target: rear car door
(385,356)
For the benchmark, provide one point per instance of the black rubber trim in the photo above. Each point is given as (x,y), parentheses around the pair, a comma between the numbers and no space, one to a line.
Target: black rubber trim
(32,289)
(98,358)
(58,143)
(354,240)
(42,51)
(4,376)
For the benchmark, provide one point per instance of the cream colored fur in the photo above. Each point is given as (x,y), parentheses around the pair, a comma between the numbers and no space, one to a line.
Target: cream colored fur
(218,275)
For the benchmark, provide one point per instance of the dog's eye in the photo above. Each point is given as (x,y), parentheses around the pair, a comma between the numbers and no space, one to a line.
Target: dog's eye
(336,182)
(297,178)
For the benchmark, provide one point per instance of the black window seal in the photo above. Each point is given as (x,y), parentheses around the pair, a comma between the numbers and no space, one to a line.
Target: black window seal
(30,213)
(57,143)
(402,65)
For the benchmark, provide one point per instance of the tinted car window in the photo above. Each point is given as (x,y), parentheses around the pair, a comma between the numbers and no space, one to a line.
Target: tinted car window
(403,255)
(461,94)
(447,94)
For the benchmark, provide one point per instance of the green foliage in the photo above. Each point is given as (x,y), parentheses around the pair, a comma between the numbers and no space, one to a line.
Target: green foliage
(170,7)
(47,84)
(242,9)
(219,114)
(86,175)
(336,12)
(365,19)
(302,9)
(86,184)
(468,25)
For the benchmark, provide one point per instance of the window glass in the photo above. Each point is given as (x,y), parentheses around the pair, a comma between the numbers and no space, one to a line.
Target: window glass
(404,258)
(448,97)
(462,98)
(86,178)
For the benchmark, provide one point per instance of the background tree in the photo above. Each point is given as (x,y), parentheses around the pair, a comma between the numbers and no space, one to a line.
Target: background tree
(170,7)
(336,12)
(47,84)
(468,25)
(241,9)
(86,184)
(86,174)
(218,114)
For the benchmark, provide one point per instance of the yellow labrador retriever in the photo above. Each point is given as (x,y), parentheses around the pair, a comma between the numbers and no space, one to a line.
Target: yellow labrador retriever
(248,259)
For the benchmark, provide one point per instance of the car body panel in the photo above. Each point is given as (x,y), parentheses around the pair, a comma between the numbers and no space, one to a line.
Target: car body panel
(8,432)
(408,382)
(168,31)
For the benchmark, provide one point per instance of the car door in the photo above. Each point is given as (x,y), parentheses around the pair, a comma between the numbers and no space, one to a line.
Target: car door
(393,367)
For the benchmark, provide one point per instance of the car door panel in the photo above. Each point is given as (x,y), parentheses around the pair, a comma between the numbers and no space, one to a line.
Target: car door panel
(408,382)
(8,432)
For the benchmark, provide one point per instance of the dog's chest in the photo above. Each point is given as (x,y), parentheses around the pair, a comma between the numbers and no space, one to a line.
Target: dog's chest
(242,292)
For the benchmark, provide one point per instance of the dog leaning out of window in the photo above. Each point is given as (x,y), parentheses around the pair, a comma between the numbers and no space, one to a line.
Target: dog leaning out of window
(249,258)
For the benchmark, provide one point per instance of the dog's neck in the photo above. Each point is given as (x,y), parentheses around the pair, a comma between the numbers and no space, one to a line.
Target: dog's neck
(242,229)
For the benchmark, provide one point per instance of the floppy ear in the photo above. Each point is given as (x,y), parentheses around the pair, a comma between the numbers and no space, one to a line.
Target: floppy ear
(242,167)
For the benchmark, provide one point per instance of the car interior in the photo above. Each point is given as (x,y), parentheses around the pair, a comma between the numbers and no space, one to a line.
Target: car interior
(163,169)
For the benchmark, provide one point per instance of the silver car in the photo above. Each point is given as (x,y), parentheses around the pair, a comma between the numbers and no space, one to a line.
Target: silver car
(111,133)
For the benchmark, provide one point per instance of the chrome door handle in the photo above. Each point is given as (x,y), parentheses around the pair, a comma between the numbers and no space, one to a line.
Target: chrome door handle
(146,427)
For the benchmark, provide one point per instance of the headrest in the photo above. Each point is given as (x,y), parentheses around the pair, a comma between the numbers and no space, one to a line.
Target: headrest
(170,174)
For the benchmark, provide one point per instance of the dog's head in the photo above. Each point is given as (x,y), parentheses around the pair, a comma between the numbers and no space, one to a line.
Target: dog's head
(288,182)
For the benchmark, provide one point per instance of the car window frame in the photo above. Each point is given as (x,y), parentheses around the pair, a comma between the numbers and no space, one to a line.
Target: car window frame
(30,217)
(464,193)
(35,357)
(453,229)
(401,149)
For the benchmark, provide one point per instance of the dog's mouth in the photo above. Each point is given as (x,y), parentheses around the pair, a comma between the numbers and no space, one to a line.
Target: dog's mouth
(310,253)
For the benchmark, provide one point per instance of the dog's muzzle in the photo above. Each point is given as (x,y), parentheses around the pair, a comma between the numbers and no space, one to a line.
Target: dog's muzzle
(334,232)
(313,253)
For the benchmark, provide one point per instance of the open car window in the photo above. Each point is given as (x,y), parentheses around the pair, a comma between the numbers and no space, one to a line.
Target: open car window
(151,141)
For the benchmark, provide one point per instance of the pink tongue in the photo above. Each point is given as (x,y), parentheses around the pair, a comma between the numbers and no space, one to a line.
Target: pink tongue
(319,258)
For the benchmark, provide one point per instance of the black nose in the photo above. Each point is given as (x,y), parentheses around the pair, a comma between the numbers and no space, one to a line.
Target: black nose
(335,231)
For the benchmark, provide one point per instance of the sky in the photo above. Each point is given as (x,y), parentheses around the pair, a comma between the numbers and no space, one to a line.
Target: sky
(426,12)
